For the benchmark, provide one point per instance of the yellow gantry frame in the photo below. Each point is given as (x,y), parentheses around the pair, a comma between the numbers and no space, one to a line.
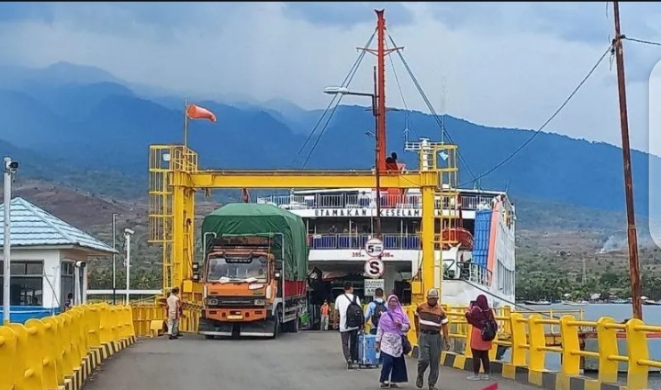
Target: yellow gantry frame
(174,178)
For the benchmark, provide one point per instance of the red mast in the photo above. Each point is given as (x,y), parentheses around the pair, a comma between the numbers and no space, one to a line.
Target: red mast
(381,52)
(381,90)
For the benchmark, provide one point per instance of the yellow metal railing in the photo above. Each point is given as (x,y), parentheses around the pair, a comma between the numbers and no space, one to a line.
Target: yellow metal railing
(148,318)
(526,335)
(63,350)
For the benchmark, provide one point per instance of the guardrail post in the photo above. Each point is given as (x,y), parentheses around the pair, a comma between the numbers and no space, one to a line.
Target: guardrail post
(536,339)
(519,341)
(37,354)
(571,362)
(607,343)
(637,374)
(21,356)
(8,358)
(50,352)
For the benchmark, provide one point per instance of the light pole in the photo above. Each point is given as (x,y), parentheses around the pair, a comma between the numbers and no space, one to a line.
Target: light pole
(114,258)
(375,113)
(10,170)
(127,239)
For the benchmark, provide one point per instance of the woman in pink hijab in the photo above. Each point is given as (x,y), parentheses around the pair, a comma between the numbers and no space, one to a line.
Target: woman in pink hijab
(393,325)
(478,315)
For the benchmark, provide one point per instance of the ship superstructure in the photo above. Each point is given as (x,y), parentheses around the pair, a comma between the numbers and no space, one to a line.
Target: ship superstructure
(341,221)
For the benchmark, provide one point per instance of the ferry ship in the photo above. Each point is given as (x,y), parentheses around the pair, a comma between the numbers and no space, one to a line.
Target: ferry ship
(481,259)
(340,222)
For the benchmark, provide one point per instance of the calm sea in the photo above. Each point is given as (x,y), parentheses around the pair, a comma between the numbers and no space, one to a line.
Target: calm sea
(651,316)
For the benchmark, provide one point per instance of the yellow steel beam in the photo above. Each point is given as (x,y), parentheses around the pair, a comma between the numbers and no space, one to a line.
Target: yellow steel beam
(302,179)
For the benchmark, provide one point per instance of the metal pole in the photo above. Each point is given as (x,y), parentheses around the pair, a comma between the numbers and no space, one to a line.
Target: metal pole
(128,267)
(628,180)
(114,259)
(83,288)
(377,156)
(7,244)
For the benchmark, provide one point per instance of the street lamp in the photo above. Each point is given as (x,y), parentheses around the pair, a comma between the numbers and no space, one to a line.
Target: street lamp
(127,239)
(375,113)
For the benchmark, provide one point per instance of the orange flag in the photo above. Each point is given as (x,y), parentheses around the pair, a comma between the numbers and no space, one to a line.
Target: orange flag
(197,112)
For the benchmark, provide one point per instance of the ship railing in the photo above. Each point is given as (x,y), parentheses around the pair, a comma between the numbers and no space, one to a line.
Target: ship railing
(330,241)
(353,201)
(472,272)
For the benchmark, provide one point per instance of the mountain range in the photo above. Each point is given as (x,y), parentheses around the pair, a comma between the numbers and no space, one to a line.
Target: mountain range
(72,123)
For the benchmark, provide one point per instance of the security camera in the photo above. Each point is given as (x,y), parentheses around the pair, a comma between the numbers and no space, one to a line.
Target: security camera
(128,231)
(11,166)
(80,264)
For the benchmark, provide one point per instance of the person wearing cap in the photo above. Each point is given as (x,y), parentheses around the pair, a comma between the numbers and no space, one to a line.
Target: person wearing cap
(430,319)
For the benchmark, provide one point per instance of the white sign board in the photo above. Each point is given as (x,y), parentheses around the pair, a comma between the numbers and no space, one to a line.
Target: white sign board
(374,247)
(374,268)
(372,284)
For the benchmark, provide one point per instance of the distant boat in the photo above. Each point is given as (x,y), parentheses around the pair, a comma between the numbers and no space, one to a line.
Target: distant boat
(651,302)
(620,301)
(537,303)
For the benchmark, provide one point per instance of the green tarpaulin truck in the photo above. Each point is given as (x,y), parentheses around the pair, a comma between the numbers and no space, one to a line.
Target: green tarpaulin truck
(255,271)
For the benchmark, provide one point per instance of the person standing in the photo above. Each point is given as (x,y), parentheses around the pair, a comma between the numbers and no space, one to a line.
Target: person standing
(393,325)
(348,308)
(174,314)
(375,309)
(324,311)
(481,317)
(68,304)
(430,319)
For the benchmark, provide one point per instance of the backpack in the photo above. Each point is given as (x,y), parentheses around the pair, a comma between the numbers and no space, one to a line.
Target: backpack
(355,318)
(376,314)
(490,329)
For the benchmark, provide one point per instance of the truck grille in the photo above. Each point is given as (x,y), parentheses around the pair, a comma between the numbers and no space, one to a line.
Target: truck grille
(236,302)
(232,301)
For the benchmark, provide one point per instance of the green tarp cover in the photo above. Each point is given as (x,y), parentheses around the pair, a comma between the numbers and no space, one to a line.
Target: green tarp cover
(259,219)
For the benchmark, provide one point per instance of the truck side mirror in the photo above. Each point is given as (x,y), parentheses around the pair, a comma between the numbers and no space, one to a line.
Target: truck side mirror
(278,265)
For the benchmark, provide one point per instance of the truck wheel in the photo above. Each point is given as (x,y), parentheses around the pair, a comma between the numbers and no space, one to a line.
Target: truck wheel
(276,326)
(295,325)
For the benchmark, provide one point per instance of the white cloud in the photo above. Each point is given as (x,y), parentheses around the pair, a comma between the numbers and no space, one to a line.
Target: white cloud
(511,77)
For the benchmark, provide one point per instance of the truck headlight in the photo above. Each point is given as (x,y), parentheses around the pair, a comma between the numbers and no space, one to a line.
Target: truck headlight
(260,302)
(212,302)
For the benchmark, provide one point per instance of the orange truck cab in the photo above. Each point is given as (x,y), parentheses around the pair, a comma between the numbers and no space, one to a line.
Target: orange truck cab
(248,289)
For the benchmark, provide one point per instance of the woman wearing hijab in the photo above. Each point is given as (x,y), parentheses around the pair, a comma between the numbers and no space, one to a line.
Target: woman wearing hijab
(478,315)
(393,324)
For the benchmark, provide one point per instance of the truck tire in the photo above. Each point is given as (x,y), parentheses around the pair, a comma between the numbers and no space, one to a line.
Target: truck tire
(293,325)
(277,323)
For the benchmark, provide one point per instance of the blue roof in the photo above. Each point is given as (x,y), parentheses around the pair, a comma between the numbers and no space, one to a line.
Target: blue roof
(32,226)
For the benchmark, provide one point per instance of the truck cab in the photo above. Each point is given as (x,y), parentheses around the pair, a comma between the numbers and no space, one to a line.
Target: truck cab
(242,289)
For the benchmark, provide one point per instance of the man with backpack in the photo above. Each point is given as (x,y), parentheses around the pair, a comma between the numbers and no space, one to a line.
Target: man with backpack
(351,317)
(375,309)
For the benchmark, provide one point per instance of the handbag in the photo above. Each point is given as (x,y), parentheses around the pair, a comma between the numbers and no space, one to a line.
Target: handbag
(406,344)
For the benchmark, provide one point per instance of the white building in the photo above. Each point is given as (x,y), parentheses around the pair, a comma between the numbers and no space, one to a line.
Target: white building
(44,250)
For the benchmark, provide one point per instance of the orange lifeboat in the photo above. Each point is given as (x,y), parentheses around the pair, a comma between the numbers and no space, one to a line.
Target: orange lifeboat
(458,234)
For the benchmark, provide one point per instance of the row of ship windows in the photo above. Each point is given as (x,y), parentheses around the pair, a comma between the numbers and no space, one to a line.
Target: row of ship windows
(505,279)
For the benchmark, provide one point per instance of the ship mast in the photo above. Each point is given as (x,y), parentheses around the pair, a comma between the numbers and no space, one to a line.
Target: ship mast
(381,52)
(381,90)
(632,237)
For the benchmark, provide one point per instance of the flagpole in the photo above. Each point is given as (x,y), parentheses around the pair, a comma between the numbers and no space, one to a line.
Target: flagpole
(186,123)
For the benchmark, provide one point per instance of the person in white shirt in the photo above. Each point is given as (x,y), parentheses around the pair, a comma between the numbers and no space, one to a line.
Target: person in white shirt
(173,314)
(349,334)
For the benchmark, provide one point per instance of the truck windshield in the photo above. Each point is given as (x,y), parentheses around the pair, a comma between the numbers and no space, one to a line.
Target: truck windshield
(238,268)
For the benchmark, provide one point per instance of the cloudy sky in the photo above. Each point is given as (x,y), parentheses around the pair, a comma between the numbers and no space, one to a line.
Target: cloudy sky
(499,64)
